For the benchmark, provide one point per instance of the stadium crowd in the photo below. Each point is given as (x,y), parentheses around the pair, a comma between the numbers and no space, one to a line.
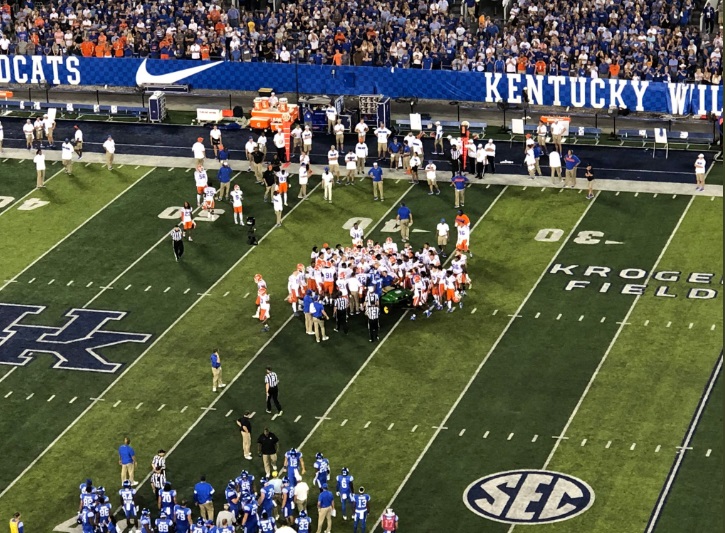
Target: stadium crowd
(644,39)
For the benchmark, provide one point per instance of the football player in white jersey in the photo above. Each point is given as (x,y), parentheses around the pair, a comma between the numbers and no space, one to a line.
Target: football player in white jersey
(209,193)
(201,180)
(356,234)
(237,197)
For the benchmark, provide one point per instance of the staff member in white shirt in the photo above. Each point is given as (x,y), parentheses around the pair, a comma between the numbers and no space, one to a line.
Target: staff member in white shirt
(541,131)
(249,150)
(306,140)
(557,130)
(361,152)
(442,231)
(2,136)
(280,145)
(438,140)
(382,134)
(350,166)
(339,130)
(110,147)
(361,129)
(700,165)
(78,141)
(296,135)
(215,138)
(327,179)
(331,114)
(333,162)
(262,143)
(430,176)
(28,130)
(490,149)
(304,175)
(480,161)
(555,165)
(198,150)
(277,204)
(66,150)
(39,161)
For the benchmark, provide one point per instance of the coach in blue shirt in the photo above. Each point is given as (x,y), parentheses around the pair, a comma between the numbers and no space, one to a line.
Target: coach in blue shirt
(318,319)
(216,371)
(203,494)
(405,219)
(307,302)
(325,506)
(376,173)
(127,460)
(225,177)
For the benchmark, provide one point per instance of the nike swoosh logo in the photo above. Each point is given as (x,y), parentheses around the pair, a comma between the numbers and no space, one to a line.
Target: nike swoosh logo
(144,77)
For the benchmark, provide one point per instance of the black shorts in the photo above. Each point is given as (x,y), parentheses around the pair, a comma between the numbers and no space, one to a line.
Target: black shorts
(590,178)
(216,142)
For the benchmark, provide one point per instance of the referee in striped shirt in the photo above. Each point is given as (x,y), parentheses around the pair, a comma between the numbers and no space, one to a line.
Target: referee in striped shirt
(158,471)
(271,385)
(372,311)
(340,311)
(177,239)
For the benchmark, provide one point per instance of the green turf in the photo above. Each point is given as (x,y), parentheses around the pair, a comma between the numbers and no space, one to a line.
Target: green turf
(695,502)
(656,368)
(72,200)
(537,372)
(182,356)
(97,254)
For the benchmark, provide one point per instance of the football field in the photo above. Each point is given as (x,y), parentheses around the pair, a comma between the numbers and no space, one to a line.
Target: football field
(578,388)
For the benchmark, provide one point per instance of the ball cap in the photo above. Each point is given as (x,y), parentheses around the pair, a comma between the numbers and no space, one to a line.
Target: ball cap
(443,220)
(701,156)
(199,139)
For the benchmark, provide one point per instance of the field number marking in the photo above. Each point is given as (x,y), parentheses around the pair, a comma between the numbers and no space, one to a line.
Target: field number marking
(583,237)
(32,203)
(174,213)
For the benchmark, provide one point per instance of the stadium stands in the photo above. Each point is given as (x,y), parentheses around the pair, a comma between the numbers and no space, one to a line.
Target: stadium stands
(644,39)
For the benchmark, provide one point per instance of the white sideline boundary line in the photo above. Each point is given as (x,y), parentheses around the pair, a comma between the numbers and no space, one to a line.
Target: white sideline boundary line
(614,340)
(483,362)
(22,198)
(139,358)
(39,258)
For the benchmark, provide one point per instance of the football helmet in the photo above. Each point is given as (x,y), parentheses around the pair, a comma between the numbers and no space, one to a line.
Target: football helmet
(257,278)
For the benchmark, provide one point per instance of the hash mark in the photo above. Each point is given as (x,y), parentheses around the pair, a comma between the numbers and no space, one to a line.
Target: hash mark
(559,317)
(474,310)
(139,406)
(668,324)
(51,281)
(511,436)
(712,328)
(367,425)
(515,316)
(118,402)
(537,315)
(485,435)
(30,396)
(8,394)
(89,284)
(31,281)
(708,452)
(617,194)
(51,398)
(184,408)
(535,438)
(712,198)
(121,166)
(298,418)
(187,290)
(127,287)
(655,195)
(135,168)
(229,412)
(691,324)
(214,409)
(414,428)
(187,170)
(343,422)
(646,322)
(581,318)
(609,443)
(225,294)
(543,189)
(161,407)
(323,418)
(73,399)
(439,427)
(494,312)
(489,185)
(147,288)
(462,432)
(636,194)
(631,448)
(167,289)
(524,188)
(624,323)
(88,164)
(246,295)
(560,190)
(171,168)
(69,283)
(658,448)
(674,196)
(391,426)
(584,442)
(602,320)
(5,160)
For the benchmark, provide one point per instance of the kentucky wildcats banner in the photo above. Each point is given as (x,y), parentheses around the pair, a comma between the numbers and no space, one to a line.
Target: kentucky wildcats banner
(672,98)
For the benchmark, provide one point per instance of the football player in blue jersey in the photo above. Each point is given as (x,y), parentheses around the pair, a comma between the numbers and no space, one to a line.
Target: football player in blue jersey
(87,483)
(267,524)
(104,511)
(232,496)
(322,467)
(167,500)
(294,465)
(88,498)
(345,490)
(87,520)
(163,523)
(145,522)
(249,518)
(128,503)
(182,517)
(362,508)
(245,483)
(266,496)
(199,526)
(209,524)
(288,501)
(304,523)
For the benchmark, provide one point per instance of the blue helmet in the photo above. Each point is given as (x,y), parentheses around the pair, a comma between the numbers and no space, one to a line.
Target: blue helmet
(319,456)
(200,521)
(345,471)
(293,451)
(162,514)
(232,484)
(263,480)
(246,496)
(127,483)
(303,514)
(244,474)
(145,512)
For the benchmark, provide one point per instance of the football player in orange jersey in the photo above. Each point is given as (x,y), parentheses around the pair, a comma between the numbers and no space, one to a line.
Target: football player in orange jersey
(264,307)
(261,284)
(293,291)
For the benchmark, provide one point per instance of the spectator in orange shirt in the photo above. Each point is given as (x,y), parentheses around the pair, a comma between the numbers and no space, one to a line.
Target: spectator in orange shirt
(614,70)
(540,66)
(205,51)
(100,50)
(521,63)
(87,48)
(337,58)
(340,37)
(39,22)
(118,48)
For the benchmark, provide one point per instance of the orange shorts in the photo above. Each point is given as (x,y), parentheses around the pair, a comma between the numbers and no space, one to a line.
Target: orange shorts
(238,209)
(328,287)
(292,298)
(450,294)
(463,245)
(208,204)
(262,315)
(312,284)
(257,302)
(282,187)
(188,225)
(200,190)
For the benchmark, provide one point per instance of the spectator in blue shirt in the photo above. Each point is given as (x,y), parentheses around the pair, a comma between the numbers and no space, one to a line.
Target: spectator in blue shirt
(325,507)
(127,460)
(572,162)
(203,497)
(376,173)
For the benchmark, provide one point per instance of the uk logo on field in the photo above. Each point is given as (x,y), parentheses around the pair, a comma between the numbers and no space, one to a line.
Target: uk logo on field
(75,345)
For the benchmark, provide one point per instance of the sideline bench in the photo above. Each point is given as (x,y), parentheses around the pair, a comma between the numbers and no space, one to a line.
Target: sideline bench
(141,113)
(684,138)
(475,128)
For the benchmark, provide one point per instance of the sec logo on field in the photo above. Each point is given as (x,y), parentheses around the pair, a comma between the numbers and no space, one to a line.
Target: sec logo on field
(528,497)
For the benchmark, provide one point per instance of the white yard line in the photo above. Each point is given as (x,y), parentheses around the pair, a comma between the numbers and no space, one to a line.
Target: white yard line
(685,446)
(483,362)
(75,230)
(614,340)
(136,361)
(8,373)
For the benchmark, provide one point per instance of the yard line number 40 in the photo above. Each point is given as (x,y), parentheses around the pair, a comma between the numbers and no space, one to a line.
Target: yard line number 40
(27,205)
